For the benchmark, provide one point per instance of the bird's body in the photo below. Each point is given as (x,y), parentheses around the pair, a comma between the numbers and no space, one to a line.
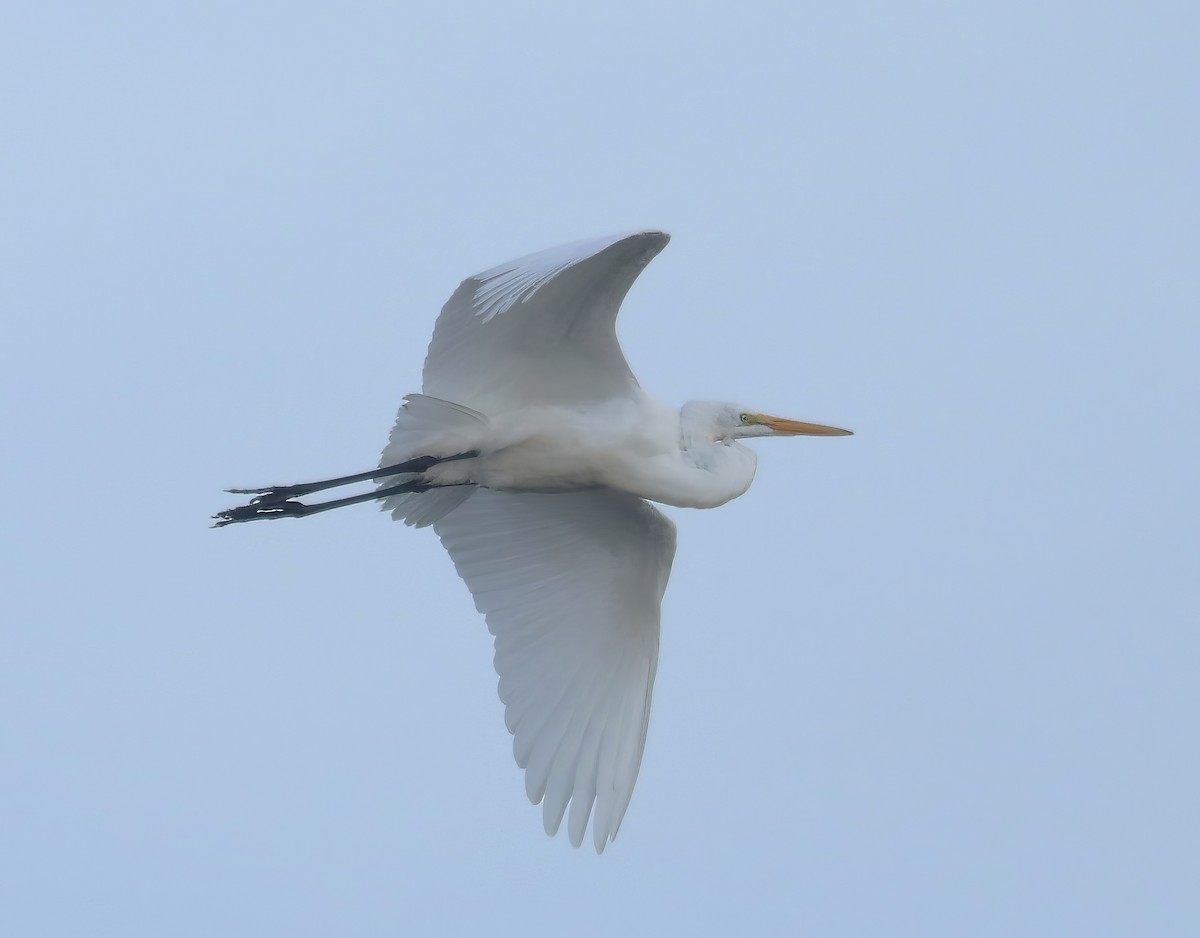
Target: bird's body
(534,453)
(635,445)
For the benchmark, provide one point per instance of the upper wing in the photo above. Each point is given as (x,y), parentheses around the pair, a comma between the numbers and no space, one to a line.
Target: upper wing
(540,329)
(571,586)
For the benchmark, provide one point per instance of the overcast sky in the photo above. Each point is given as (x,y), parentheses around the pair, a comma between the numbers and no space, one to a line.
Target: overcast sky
(937,679)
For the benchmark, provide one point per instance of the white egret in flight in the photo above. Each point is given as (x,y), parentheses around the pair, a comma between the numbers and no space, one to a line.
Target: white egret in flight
(534,453)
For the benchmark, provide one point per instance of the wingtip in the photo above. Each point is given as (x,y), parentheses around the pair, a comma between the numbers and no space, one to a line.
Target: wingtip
(651,236)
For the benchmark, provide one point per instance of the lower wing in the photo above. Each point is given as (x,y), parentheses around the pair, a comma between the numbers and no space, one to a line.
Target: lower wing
(571,587)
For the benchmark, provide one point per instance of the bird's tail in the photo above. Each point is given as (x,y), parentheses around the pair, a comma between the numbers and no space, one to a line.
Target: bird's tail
(428,426)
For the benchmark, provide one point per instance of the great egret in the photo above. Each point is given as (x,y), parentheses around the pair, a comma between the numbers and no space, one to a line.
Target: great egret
(533,451)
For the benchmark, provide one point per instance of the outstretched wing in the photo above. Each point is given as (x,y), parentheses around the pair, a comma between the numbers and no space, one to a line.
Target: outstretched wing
(571,586)
(540,329)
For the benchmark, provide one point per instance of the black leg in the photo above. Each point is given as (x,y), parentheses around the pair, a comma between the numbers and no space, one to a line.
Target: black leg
(276,494)
(258,510)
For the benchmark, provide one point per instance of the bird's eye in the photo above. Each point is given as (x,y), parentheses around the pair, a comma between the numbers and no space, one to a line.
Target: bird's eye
(745,418)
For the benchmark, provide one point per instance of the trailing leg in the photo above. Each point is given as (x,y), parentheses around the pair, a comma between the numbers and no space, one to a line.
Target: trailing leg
(258,509)
(281,493)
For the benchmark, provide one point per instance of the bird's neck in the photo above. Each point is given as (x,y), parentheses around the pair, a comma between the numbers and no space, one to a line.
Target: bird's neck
(709,473)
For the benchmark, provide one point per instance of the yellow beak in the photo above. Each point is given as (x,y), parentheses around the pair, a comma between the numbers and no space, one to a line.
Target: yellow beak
(798,427)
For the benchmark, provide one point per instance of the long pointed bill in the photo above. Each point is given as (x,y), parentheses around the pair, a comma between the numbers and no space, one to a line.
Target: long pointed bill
(799,427)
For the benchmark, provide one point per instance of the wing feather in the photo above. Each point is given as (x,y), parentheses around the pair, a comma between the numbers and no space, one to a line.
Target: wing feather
(540,329)
(570,585)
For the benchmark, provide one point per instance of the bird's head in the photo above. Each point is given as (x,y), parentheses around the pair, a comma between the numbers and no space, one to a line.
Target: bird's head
(723,421)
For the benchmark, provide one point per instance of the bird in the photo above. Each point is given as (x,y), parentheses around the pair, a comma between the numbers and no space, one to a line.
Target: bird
(538,460)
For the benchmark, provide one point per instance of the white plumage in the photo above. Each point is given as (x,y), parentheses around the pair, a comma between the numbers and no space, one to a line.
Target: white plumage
(532,451)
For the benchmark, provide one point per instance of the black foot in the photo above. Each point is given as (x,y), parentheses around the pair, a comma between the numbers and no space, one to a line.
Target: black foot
(257,510)
(275,493)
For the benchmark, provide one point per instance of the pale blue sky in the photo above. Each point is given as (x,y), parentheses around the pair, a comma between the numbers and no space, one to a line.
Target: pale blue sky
(937,679)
